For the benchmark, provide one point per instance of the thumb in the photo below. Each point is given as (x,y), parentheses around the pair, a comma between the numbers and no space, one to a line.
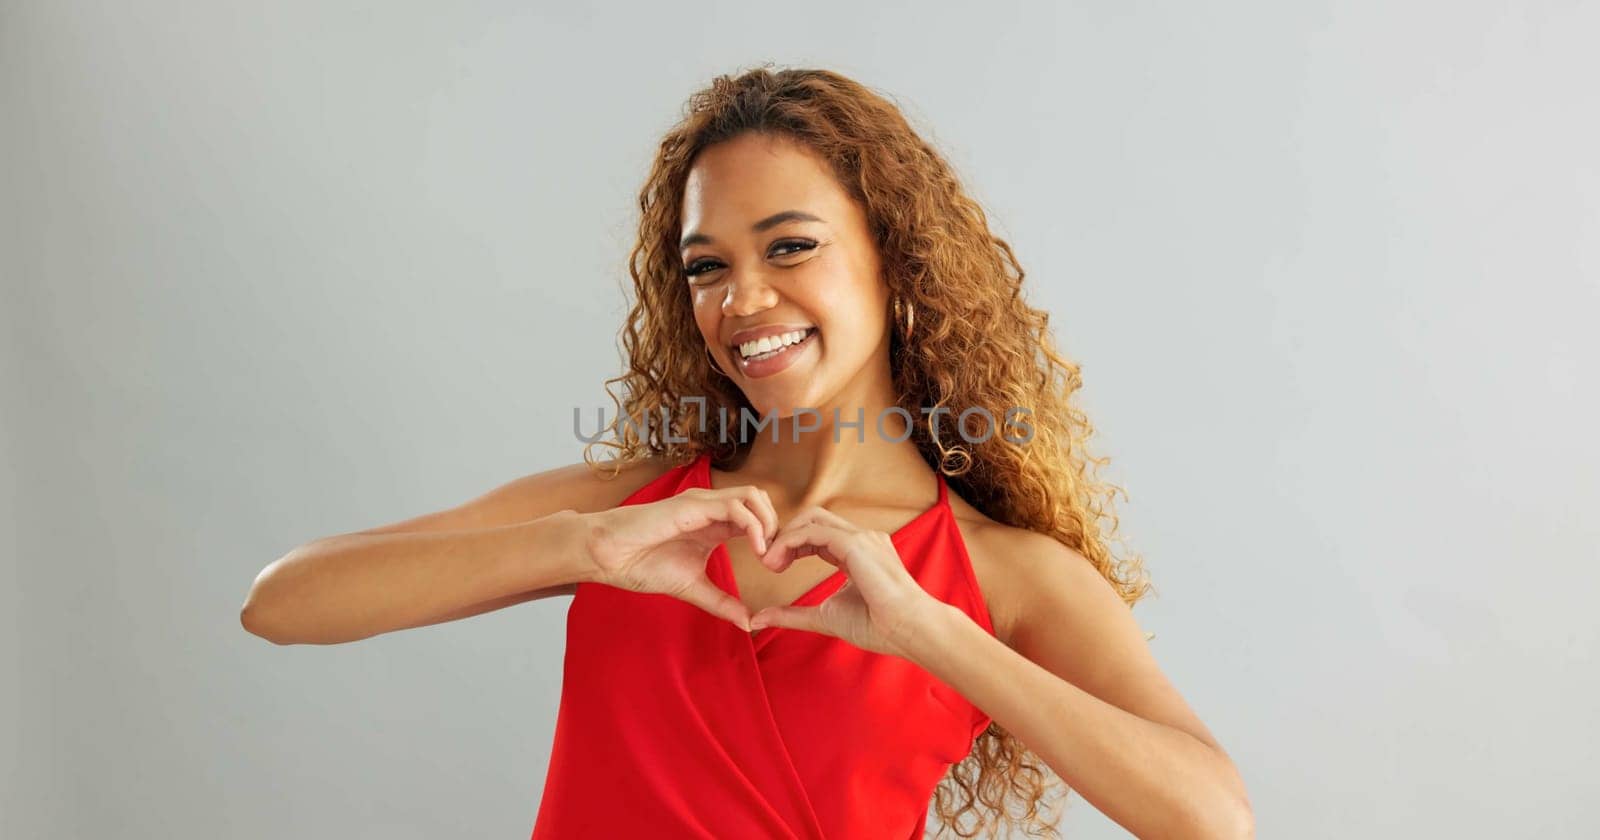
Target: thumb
(713,599)
(797,618)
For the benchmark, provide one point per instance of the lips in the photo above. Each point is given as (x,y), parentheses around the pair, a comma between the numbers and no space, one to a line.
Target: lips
(779,359)
(770,343)
(766,331)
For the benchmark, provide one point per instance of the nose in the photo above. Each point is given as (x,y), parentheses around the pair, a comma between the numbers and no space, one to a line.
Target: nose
(748,293)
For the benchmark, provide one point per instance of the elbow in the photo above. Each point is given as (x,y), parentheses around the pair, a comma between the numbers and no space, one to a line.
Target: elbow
(1224,816)
(1232,823)
(258,615)
(1227,813)
(1229,819)
(1242,816)
(252,619)
(251,622)
(1242,821)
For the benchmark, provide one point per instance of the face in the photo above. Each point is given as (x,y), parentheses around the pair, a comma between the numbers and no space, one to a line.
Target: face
(775,248)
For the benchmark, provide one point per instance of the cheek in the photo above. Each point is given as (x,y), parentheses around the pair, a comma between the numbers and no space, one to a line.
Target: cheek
(847,312)
(839,289)
(707,313)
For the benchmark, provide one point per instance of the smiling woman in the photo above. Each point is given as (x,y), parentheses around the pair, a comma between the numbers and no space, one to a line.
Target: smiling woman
(823,633)
(801,249)
(817,256)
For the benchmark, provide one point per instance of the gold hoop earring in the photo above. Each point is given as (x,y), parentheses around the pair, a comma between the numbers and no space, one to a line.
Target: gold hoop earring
(713,360)
(906,312)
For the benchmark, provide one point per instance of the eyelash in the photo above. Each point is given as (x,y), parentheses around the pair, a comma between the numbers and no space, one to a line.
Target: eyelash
(698,267)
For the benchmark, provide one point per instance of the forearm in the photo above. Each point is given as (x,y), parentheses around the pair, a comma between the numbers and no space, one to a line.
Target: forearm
(354,586)
(1152,779)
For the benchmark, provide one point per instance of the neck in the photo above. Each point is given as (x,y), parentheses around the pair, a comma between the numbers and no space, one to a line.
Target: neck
(820,456)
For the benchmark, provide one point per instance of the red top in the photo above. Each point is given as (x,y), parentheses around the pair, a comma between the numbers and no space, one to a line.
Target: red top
(677,724)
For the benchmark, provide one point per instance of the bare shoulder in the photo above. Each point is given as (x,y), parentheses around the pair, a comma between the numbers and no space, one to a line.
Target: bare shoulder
(586,487)
(1051,605)
(578,486)
(1012,564)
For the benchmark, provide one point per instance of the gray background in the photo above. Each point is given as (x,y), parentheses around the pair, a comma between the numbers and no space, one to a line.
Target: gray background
(276,271)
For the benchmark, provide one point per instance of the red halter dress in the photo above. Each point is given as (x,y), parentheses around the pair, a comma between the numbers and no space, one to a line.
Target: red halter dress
(674,723)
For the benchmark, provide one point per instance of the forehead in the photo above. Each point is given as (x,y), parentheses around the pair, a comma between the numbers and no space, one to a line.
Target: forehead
(753,175)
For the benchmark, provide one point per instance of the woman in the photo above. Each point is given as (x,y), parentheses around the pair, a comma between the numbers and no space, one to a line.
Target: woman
(850,557)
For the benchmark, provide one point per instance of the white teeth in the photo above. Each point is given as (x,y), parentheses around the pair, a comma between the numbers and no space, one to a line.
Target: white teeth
(771,342)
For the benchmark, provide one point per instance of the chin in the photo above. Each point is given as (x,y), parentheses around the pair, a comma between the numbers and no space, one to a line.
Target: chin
(784,407)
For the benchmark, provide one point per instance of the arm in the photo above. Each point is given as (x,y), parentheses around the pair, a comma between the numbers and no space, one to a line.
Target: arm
(1080,688)
(354,586)
(521,541)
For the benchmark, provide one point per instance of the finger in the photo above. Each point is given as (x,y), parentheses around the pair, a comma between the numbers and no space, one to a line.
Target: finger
(804,516)
(693,510)
(797,618)
(803,541)
(739,511)
(828,517)
(706,595)
(751,498)
(761,503)
(715,533)
(820,514)
(714,519)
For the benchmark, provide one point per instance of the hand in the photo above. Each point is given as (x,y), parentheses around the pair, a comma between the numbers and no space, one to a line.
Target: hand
(661,547)
(880,607)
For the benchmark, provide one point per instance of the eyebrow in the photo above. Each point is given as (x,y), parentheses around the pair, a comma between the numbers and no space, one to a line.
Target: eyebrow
(769,222)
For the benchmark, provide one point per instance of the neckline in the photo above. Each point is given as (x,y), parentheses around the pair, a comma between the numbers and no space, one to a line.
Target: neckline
(826,586)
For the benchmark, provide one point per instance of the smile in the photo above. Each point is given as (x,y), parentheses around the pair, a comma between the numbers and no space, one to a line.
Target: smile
(766,348)
(770,355)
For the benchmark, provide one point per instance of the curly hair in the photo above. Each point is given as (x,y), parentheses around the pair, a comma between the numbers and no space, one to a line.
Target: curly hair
(965,286)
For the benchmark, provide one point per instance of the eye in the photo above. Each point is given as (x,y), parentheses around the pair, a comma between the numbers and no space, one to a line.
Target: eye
(798,244)
(781,248)
(699,267)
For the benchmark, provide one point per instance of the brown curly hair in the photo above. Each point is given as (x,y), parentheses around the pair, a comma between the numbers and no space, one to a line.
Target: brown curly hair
(965,286)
